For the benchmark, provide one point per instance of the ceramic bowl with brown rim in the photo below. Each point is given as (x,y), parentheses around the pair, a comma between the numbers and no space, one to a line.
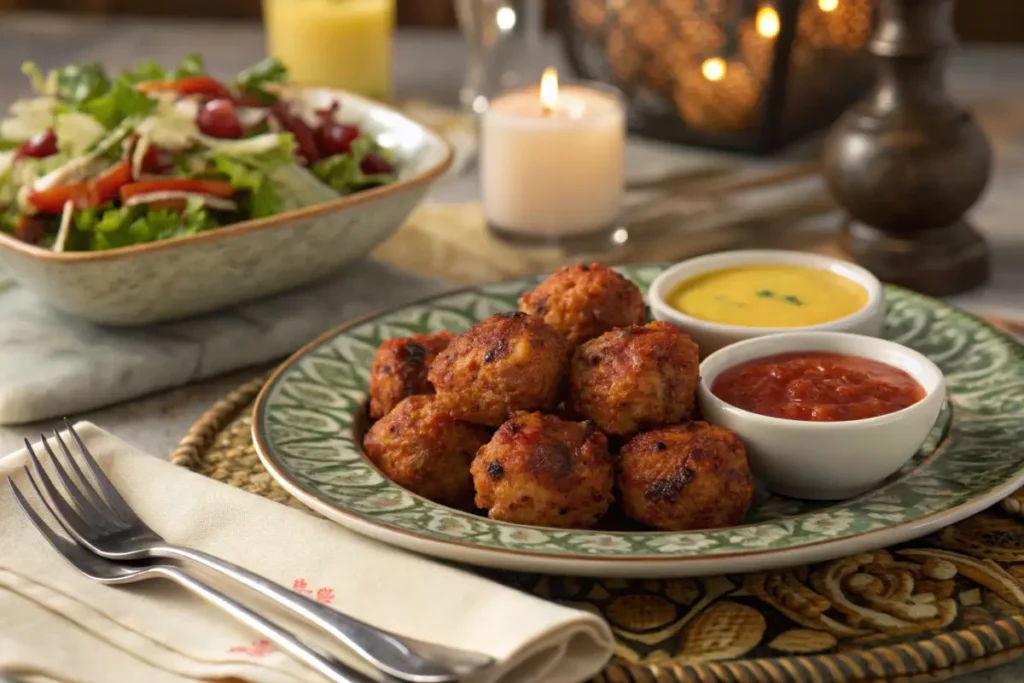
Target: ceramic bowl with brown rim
(181,277)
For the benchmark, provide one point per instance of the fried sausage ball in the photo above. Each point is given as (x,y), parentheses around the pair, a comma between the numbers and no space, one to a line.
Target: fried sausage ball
(689,476)
(420,448)
(507,363)
(585,301)
(542,470)
(635,378)
(400,369)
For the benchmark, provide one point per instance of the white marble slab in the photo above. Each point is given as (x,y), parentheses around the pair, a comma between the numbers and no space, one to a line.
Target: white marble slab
(53,364)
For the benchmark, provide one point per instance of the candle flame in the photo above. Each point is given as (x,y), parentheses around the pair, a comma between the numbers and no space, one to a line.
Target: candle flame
(713,69)
(828,5)
(768,21)
(549,88)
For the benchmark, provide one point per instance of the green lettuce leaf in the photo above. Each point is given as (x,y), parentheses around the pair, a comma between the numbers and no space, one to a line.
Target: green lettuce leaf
(298,187)
(111,228)
(77,83)
(343,172)
(263,198)
(120,102)
(147,71)
(192,65)
(252,164)
(254,80)
(8,219)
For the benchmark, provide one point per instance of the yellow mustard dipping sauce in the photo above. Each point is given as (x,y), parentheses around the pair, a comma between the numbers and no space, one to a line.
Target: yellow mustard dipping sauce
(768,296)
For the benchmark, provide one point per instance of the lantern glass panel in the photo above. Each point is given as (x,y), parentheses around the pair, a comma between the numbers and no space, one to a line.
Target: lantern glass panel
(749,75)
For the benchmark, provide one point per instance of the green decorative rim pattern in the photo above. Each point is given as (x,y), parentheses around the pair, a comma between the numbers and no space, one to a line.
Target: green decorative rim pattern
(307,420)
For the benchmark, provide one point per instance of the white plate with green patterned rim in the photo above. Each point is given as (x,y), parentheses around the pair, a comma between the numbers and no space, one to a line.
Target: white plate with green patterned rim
(308,421)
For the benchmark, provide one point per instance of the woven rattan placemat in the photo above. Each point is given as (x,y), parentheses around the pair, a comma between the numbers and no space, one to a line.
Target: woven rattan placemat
(924,611)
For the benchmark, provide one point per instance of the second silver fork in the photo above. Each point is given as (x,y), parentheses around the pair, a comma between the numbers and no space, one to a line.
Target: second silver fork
(99,518)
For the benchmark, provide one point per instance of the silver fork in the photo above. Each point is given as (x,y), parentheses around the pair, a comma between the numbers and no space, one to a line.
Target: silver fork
(102,521)
(110,572)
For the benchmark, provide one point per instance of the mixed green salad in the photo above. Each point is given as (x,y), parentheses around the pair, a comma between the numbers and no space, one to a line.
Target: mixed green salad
(95,162)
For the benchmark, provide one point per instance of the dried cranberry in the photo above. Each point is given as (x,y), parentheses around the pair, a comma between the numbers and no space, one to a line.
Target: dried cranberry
(218,118)
(30,229)
(157,161)
(336,138)
(304,137)
(39,146)
(326,115)
(374,163)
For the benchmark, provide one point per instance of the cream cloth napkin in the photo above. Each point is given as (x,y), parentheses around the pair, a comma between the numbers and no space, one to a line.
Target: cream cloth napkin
(56,625)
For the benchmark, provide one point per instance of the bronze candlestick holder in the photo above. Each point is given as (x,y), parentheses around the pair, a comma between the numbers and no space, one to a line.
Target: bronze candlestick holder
(907,163)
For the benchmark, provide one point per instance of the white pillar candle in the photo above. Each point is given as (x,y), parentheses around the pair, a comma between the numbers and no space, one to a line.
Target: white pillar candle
(552,160)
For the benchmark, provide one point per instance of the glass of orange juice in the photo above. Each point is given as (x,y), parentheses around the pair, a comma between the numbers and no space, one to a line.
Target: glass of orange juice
(342,44)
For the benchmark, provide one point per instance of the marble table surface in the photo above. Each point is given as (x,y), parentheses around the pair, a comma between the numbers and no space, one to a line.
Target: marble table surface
(429,65)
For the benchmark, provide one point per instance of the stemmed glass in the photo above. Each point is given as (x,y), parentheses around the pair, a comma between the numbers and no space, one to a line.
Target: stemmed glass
(502,37)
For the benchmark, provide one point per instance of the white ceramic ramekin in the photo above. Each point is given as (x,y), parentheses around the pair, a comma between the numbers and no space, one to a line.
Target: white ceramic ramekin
(711,336)
(826,460)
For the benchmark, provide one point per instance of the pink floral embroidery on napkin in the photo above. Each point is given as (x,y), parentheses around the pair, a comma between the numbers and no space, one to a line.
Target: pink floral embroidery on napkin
(323,595)
(257,648)
(262,648)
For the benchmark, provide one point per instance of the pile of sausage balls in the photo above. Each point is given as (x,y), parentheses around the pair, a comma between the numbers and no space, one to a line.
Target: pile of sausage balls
(548,415)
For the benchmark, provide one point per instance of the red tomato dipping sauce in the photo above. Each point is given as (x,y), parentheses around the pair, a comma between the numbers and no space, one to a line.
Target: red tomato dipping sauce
(817,386)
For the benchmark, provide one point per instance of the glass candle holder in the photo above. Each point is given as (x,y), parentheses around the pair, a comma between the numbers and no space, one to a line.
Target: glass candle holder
(751,76)
(502,39)
(553,161)
(345,45)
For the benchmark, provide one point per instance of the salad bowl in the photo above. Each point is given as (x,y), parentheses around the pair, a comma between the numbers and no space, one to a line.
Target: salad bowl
(199,273)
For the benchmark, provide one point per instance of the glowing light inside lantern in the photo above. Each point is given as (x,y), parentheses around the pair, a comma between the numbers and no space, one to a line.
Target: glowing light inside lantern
(549,89)
(505,18)
(713,69)
(827,5)
(768,21)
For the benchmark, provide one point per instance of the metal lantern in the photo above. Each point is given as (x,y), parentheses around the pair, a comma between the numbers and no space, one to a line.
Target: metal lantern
(746,75)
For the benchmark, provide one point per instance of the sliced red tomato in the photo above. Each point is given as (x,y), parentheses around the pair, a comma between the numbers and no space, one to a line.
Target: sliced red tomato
(54,199)
(85,194)
(189,85)
(214,188)
(106,187)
